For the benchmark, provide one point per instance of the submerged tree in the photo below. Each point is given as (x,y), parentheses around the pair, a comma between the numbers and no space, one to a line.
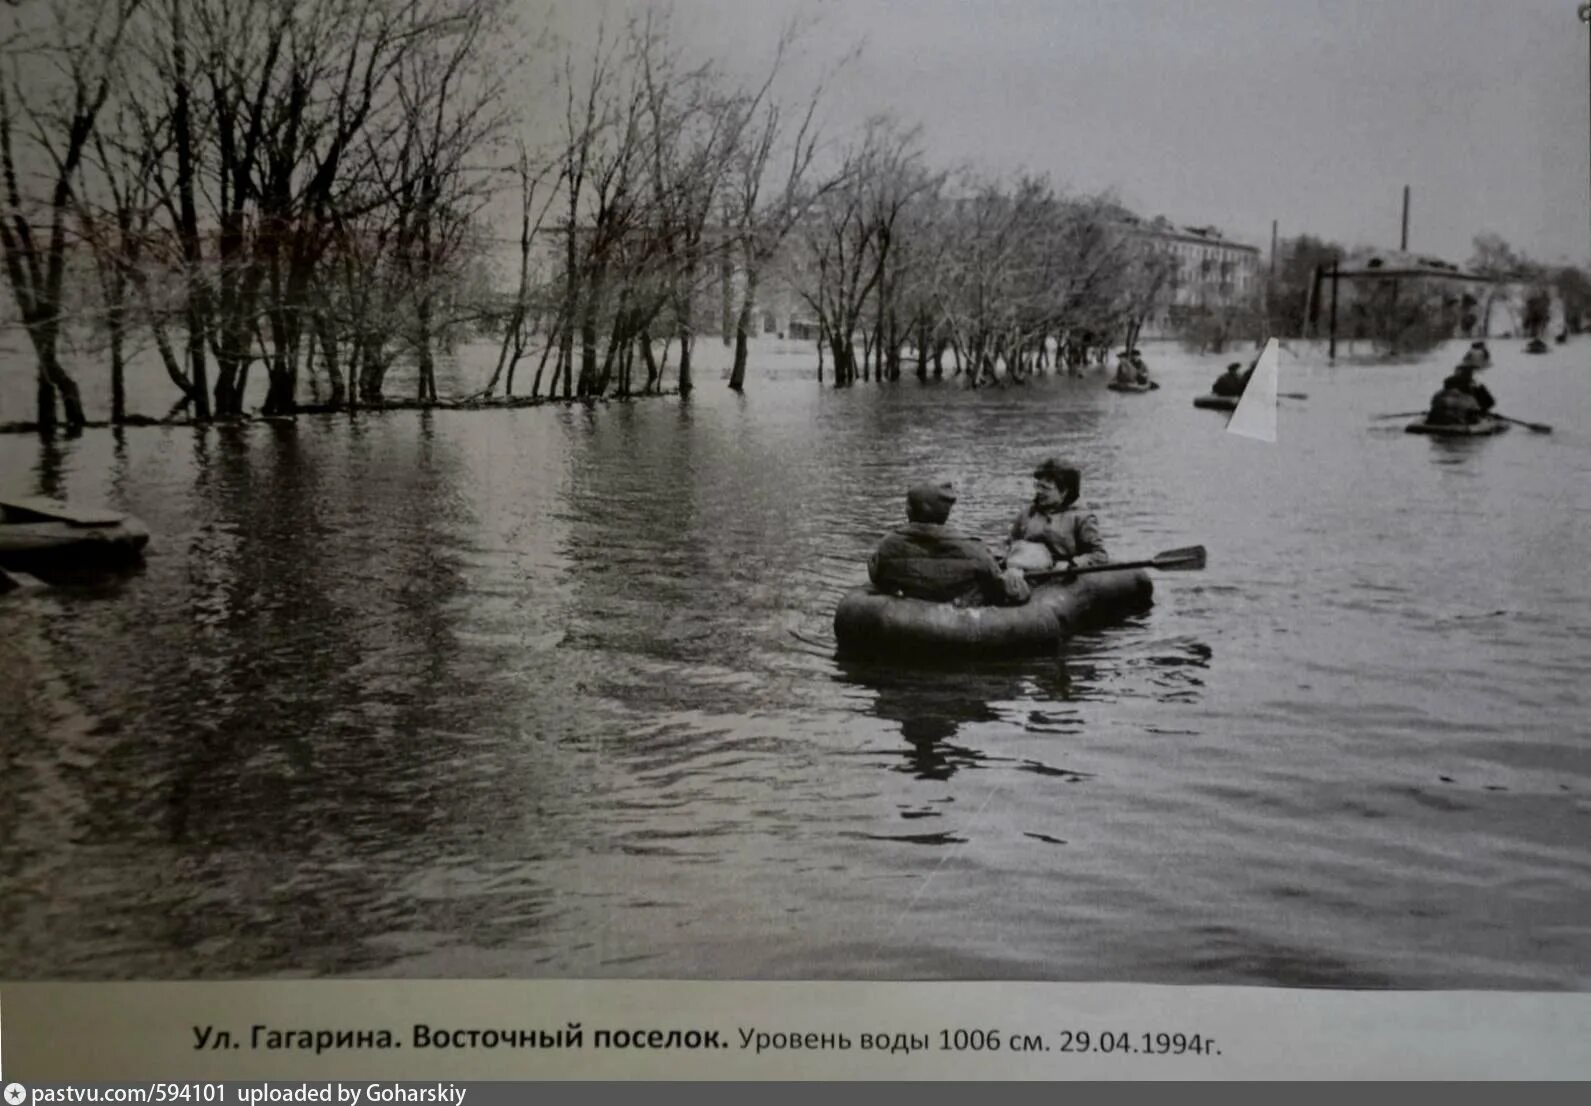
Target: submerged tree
(51,96)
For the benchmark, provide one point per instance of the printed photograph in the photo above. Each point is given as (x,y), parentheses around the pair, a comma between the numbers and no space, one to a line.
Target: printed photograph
(1058,490)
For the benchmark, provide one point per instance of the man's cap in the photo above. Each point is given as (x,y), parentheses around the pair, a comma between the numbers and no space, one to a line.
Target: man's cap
(930,501)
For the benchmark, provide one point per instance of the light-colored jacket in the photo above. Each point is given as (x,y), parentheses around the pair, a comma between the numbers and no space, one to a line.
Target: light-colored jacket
(1071,534)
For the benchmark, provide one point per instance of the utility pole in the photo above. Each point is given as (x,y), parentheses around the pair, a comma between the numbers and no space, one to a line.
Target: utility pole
(1270,287)
(1405,244)
(1585,17)
(1333,352)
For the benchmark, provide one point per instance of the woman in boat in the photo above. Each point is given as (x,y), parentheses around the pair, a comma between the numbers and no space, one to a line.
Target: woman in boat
(929,559)
(1071,536)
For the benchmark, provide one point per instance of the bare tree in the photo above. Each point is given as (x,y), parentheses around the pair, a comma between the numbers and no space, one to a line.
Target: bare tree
(760,226)
(49,115)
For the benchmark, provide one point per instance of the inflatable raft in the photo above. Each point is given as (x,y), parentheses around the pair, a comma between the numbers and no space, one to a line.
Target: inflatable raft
(886,627)
(1214,402)
(1119,386)
(37,535)
(1472,430)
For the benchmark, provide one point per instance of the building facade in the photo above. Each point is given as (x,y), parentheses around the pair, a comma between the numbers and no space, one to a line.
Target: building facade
(1474,305)
(1207,272)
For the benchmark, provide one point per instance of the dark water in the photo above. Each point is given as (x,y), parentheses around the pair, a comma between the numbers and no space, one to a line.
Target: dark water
(549,692)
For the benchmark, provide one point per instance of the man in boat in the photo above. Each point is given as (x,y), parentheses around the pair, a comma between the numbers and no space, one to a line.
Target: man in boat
(929,559)
(1454,405)
(1140,370)
(1233,381)
(1070,537)
(1465,375)
(1126,371)
(1478,355)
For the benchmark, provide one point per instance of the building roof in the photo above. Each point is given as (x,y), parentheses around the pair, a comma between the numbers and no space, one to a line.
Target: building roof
(1161,227)
(1386,264)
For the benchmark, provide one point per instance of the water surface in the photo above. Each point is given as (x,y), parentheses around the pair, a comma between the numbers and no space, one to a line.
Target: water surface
(550,692)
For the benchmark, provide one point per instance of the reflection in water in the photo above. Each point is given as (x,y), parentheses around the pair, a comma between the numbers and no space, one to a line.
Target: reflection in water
(933,707)
(47,473)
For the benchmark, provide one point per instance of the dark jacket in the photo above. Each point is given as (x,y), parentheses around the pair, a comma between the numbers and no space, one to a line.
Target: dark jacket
(1453,407)
(930,560)
(1071,534)
(1228,384)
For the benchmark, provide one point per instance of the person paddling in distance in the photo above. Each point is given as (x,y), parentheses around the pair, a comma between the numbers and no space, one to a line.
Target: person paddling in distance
(1466,379)
(1050,532)
(1232,382)
(929,559)
(1453,405)
(1463,399)
(1140,370)
(1126,371)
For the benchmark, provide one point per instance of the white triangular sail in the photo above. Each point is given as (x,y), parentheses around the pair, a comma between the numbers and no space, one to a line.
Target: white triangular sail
(1255,416)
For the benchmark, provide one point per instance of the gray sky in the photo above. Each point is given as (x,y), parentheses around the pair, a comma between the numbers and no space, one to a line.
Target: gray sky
(1233,112)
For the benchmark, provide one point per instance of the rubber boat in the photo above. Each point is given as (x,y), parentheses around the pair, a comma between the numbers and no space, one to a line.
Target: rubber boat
(870,624)
(40,534)
(1119,386)
(1480,429)
(1213,402)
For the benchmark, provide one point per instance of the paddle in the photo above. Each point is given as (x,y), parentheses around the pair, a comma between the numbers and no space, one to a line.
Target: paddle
(1398,415)
(1292,395)
(1190,557)
(1538,427)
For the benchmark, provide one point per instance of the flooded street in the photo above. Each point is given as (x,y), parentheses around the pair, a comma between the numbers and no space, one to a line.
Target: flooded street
(551,692)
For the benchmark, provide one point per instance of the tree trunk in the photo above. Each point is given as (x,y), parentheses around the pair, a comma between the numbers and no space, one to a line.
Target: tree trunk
(685,342)
(198,306)
(654,376)
(737,376)
(427,364)
(117,323)
(328,357)
(725,283)
(60,383)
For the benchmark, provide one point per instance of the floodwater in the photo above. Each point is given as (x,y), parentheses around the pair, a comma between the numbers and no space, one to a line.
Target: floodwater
(550,692)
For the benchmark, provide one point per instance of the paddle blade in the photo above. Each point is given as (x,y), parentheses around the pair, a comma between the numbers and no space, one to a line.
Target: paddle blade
(1190,557)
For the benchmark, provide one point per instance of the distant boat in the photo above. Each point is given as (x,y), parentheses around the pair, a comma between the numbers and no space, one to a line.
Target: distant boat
(1485,427)
(39,534)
